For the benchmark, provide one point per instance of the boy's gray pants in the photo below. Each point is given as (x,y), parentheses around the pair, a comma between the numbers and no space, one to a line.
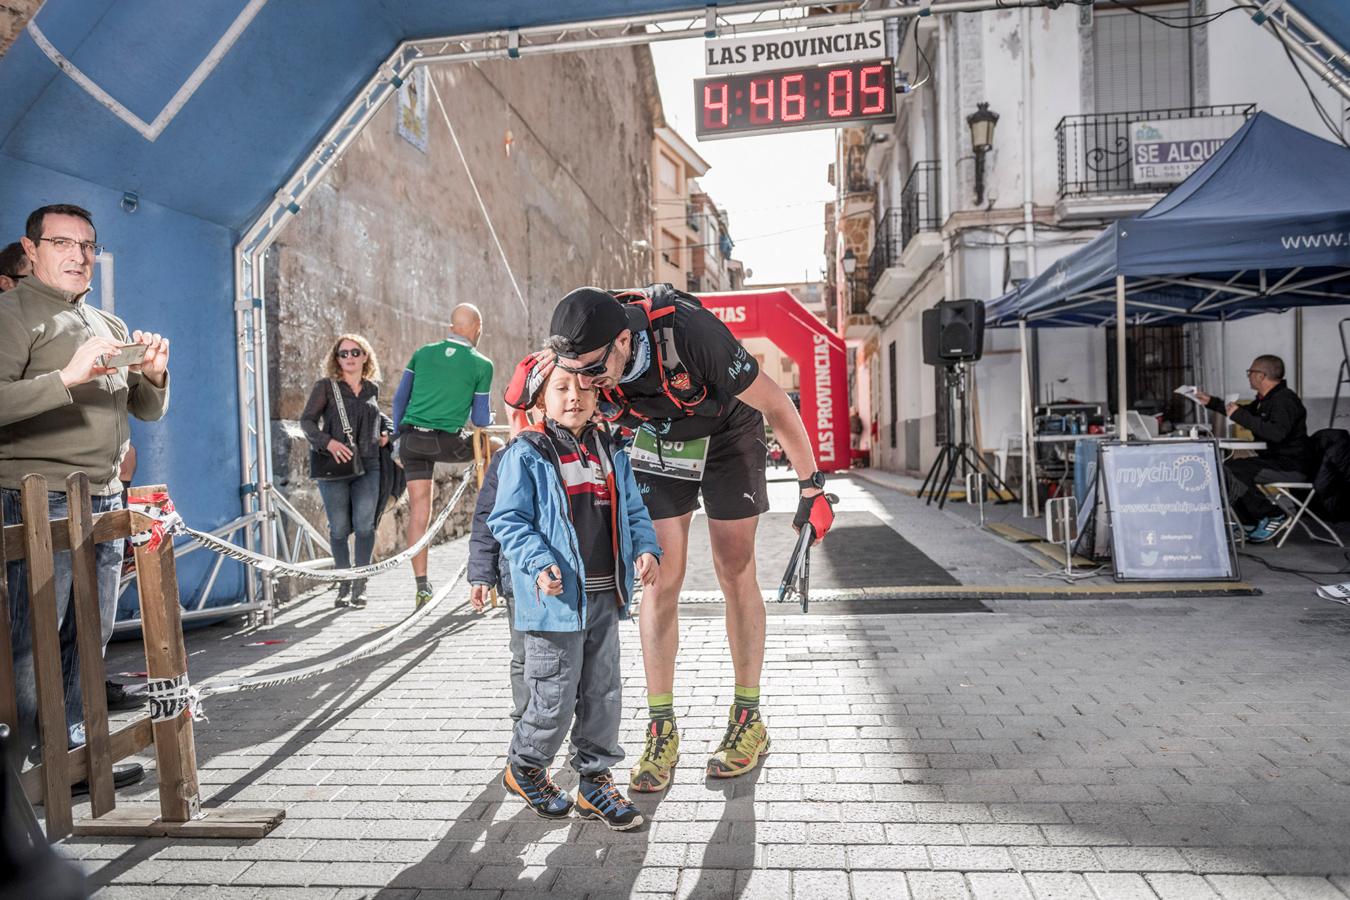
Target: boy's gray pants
(567,674)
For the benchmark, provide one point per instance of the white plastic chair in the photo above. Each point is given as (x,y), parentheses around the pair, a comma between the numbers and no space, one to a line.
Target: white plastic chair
(1012,446)
(1298,511)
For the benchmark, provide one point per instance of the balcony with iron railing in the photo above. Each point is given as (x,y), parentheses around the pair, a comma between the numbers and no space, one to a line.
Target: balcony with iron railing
(858,322)
(919,201)
(1094,150)
(907,239)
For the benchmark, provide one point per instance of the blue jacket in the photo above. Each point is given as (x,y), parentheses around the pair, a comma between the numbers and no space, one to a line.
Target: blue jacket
(486,564)
(532,521)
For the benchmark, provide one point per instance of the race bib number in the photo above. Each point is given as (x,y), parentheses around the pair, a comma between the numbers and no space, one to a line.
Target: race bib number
(673,459)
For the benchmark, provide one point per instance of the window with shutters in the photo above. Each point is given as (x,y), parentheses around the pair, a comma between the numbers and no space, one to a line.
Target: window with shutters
(668,171)
(1140,63)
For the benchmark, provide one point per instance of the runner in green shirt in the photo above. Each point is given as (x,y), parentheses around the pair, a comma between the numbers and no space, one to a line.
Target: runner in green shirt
(444,385)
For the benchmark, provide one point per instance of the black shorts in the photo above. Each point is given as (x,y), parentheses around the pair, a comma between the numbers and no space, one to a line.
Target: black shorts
(733,485)
(419,449)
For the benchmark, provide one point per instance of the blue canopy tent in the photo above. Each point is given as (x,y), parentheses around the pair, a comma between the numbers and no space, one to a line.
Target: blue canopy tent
(1262,226)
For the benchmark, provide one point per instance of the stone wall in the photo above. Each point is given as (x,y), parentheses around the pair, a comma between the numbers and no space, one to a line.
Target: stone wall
(560,148)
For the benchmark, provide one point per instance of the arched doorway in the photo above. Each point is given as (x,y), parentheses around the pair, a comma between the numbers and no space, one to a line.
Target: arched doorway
(818,352)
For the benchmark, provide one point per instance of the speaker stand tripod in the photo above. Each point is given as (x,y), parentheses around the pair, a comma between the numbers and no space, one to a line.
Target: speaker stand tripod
(959,455)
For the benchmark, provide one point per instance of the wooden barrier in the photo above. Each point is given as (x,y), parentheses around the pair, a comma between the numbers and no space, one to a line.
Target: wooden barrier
(179,813)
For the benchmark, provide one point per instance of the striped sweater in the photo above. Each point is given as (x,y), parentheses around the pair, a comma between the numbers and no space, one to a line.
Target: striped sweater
(587,479)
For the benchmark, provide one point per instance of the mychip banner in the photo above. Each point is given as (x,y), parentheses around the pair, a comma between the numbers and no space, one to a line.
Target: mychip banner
(1166,505)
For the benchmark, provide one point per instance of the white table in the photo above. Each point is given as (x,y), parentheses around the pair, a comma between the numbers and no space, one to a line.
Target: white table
(1071,438)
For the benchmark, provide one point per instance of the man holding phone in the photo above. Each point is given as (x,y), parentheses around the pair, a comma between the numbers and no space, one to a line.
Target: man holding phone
(67,382)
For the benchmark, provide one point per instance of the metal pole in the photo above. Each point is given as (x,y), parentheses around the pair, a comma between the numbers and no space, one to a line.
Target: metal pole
(1298,351)
(1281,19)
(1028,188)
(1024,406)
(1121,424)
(501,46)
(263,425)
(191,615)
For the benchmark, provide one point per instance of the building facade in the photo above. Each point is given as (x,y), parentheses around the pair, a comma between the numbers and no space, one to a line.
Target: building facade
(677,227)
(396,236)
(920,215)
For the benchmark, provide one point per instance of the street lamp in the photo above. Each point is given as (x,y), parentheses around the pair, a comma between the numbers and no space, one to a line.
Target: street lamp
(850,263)
(981,122)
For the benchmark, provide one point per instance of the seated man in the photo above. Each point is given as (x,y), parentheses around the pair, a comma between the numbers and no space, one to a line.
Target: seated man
(1278,418)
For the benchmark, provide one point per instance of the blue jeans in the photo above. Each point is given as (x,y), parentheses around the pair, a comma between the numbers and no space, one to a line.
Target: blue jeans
(108,566)
(351,509)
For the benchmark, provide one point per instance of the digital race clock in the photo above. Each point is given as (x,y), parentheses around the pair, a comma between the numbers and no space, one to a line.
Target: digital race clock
(794,99)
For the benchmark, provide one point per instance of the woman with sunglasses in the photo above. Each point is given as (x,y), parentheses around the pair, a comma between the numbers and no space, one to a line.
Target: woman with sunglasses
(351,372)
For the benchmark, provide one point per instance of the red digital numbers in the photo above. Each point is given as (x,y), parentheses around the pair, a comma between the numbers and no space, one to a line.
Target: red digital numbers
(715,105)
(793,98)
(758,102)
(875,89)
(839,102)
(761,101)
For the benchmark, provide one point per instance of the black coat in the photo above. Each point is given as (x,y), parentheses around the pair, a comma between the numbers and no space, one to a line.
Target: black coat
(1331,476)
(1280,420)
(486,565)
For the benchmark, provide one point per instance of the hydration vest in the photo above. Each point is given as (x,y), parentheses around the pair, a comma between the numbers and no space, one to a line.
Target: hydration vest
(659,302)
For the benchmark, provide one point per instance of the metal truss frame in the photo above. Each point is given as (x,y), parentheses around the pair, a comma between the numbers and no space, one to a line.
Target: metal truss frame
(1327,58)
(266,515)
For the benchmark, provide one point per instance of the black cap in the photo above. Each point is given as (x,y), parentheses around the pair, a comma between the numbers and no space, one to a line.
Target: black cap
(589,318)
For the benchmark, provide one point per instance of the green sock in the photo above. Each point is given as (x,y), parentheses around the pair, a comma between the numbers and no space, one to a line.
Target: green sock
(747,697)
(661,706)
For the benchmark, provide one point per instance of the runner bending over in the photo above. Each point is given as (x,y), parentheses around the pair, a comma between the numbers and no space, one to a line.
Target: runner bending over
(670,369)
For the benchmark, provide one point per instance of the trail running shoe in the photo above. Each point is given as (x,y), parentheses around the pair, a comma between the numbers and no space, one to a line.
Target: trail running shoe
(1267,529)
(657,762)
(537,790)
(598,797)
(742,747)
(423,598)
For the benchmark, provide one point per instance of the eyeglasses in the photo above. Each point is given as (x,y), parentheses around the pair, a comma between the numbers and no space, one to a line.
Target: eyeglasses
(591,370)
(64,244)
(355,353)
(1255,372)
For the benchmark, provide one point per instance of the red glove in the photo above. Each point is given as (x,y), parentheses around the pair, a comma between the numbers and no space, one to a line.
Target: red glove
(528,380)
(819,511)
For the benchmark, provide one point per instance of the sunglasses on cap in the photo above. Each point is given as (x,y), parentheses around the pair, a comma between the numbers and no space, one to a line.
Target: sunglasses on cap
(592,370)
(354,353)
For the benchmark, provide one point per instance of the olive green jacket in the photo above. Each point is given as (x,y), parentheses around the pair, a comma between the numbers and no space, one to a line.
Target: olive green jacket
(45,428)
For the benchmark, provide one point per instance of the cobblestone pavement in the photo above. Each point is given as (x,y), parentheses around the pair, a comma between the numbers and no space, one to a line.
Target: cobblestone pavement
(1043,749)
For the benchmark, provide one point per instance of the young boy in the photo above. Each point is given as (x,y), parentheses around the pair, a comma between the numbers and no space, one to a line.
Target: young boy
(573,528)
(488,569)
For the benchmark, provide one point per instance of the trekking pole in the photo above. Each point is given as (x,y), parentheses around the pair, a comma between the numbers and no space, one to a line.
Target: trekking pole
(796,583)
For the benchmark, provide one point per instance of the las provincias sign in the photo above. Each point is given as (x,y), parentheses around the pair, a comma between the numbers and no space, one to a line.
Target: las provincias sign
(813,46)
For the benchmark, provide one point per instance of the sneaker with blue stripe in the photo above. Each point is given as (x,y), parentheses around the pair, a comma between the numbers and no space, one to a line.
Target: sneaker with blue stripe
(1267,529)
(538,791)
(598,797)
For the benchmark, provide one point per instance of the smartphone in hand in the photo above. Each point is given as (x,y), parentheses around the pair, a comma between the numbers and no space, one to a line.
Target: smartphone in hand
(129,355)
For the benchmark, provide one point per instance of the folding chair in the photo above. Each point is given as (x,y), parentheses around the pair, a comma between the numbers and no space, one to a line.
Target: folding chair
(1298,510)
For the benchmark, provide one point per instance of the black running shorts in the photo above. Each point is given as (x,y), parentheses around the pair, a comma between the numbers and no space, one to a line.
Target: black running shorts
(733,485)
(419,449)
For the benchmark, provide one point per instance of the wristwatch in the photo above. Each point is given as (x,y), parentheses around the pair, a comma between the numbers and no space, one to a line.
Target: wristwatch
(817,480)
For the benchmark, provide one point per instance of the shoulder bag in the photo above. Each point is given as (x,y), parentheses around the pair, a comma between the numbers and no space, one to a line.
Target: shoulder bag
(322,465)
